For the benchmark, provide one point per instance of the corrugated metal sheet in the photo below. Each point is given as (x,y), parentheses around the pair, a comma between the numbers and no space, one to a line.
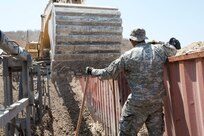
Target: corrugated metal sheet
(183,104)
(103,102)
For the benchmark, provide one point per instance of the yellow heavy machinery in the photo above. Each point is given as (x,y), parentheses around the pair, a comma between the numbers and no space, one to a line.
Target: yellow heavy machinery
(77,35)
(33,49)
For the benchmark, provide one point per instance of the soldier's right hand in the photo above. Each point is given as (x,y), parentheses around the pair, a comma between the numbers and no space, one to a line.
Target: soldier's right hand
(173,41)
(155,42)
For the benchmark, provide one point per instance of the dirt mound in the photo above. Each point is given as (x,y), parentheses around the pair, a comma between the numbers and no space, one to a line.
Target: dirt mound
(194,47)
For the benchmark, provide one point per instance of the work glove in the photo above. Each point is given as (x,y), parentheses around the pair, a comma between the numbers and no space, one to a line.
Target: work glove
(173,41)
(88,70)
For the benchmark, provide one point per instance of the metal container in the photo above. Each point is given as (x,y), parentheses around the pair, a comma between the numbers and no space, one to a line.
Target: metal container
(183,104)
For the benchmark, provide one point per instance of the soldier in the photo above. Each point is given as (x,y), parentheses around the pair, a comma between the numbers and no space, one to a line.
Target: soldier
(143,68)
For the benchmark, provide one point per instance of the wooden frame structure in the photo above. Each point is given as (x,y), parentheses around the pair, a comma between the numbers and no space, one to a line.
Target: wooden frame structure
(15,59)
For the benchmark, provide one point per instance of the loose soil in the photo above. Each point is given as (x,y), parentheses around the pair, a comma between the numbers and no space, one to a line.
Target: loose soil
(60,119)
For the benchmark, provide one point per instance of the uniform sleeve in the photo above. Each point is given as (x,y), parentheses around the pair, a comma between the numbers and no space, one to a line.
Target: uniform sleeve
(112,71)
(169,50)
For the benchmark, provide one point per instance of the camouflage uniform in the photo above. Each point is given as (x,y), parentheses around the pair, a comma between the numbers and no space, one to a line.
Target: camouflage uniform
(143,67)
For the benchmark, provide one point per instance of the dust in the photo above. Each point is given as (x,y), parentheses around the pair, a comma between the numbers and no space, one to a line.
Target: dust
(191,48)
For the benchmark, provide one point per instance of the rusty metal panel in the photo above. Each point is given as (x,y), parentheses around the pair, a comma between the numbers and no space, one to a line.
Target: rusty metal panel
(103,100)
(183,104)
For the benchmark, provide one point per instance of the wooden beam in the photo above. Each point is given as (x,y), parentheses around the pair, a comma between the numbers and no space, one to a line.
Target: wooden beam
(70,49)
(86,57)
(88,38)
(39,88)
(89,20)
(12,48)
(80,6)
(10,112)
(14,63)
(26,93)
(8,97)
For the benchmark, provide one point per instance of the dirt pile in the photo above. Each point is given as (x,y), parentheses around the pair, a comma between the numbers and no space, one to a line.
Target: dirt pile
(60,119)
(192,48)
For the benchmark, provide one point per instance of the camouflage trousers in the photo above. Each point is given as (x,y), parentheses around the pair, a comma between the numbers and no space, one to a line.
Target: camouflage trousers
(133,118)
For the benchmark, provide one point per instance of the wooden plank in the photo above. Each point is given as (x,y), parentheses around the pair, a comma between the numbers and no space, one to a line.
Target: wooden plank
(26,93)
(8,96)
(85,10)
(7,83)
(67,5)
(64,49)
(187,56)
(11,47)
(86,57)
(73,27)
(89,20)
(64,22)
(77,29)
(46,16)
(14,63)
(88,38)
(66,68)
(4,115)
(39,88)
(12,111)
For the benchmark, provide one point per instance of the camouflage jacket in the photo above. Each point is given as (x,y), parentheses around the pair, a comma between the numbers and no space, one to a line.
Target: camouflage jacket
(143,67)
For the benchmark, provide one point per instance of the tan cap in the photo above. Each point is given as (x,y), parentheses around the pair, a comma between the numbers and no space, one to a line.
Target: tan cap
(138,34)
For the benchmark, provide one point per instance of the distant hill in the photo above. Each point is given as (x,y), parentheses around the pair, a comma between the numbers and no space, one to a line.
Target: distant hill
(22,37)
(191,48)
(126,45)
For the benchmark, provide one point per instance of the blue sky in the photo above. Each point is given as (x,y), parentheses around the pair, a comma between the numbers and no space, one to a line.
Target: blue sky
(162,19)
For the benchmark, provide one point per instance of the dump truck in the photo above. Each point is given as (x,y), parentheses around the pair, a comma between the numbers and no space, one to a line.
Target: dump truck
(76,35)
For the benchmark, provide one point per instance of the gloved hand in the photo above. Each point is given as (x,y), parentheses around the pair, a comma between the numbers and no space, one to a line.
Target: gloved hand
(173,41)
(88,70)
(152,42)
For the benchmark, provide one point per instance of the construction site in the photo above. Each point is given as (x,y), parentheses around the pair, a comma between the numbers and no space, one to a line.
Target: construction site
(44,90)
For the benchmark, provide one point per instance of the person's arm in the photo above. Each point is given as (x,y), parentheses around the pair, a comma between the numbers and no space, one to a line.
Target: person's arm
(171,47)
(112,71)
(169,50)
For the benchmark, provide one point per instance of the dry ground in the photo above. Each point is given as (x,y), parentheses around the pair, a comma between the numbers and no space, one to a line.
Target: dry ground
(62,116)
(66,97)
(61,119)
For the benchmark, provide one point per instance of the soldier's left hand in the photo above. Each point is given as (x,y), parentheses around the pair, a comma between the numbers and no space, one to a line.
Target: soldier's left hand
(88,70)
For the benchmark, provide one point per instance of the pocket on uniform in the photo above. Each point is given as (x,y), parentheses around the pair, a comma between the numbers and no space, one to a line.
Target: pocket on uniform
(125,122)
